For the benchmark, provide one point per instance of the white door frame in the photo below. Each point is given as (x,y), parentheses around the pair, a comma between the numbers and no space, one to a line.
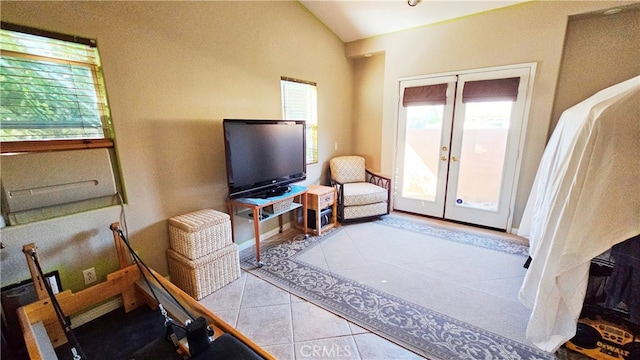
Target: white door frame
(422,206)
(528,89)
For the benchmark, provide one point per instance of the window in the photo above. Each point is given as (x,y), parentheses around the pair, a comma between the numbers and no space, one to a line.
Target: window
(52,97)
(300,102)
(52,93)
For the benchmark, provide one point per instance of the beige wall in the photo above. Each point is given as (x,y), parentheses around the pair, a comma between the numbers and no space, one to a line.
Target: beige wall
(525,33)
(367,109)
(173,71)
(599,51)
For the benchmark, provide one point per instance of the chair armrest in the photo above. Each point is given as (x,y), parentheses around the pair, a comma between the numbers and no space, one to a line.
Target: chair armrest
(378,179)
(338,186)
(383,182)
(340,197)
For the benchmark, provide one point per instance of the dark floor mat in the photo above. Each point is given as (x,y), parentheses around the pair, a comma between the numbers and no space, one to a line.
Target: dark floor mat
(158,349)
(119,335)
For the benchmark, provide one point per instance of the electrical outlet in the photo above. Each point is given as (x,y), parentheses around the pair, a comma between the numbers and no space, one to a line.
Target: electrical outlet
(89,276)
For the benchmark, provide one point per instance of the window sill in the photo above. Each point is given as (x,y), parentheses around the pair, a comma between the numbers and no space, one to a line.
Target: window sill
(53,145)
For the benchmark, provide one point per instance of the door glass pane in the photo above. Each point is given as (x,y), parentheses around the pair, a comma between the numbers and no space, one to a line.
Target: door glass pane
(481,162)
(422,151)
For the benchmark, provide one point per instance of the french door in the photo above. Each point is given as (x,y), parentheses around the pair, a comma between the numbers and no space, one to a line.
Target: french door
(459,143)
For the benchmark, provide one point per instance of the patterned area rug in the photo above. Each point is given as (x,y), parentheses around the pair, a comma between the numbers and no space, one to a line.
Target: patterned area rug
(424,331)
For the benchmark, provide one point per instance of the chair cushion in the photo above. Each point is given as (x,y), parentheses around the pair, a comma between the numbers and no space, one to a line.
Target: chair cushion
(347,169)
(363,194)
(361,211)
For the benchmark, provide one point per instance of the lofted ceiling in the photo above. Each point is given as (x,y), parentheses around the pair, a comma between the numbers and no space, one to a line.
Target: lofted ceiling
(358,19)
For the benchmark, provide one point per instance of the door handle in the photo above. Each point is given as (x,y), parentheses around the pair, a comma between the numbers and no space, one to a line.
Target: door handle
(443,158)
(453,158)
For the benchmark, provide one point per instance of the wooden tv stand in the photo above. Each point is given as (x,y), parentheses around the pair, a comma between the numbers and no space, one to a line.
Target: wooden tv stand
(257,210)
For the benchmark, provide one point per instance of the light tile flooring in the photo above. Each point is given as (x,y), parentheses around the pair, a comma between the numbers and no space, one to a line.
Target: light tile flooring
(291,328)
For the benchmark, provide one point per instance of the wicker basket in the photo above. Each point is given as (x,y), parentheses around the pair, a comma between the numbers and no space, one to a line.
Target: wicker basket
(199,233)
(279,206)
(204,275)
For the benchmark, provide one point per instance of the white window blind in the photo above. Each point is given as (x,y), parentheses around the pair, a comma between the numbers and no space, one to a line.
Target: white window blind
(50,88)
(299,102)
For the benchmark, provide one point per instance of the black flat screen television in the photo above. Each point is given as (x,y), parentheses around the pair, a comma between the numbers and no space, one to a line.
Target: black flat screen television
(264,156)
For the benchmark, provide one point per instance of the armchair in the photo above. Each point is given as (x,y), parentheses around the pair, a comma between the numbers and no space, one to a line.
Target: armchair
(362,195)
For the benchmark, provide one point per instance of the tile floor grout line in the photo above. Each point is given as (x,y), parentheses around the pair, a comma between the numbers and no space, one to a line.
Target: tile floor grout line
(242,292)
(293,332)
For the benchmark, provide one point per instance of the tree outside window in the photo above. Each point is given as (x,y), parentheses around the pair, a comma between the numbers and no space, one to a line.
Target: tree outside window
(51,89)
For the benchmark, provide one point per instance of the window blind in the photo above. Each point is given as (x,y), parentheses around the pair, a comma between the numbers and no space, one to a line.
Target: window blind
(51,89)
(425,95)
(299,102)
(491,90)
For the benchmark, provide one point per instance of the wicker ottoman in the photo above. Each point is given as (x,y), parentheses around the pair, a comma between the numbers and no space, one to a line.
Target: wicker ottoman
(199,233)
(202,276)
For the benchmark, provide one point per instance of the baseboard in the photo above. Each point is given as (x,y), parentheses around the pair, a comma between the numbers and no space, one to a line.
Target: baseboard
(273,232)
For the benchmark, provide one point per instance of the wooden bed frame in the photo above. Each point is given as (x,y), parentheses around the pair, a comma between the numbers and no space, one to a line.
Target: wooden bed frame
(126,283)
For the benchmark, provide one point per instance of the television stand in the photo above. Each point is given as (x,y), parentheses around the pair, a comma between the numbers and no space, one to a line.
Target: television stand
(256,211)
(274,192)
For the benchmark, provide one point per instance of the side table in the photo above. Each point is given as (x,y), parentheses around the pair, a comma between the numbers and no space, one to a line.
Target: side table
(320,197)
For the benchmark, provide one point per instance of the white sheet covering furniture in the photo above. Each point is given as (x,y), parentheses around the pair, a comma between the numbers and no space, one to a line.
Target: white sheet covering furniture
(585,199)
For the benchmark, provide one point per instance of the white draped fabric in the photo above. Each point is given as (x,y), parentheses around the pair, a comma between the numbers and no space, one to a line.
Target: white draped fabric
(585,199)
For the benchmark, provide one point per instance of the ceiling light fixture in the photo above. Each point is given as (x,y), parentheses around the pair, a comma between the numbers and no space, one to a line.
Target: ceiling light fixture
(413,3)
(613,11)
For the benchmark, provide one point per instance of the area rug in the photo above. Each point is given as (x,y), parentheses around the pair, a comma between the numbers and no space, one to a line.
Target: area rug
(424,331)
